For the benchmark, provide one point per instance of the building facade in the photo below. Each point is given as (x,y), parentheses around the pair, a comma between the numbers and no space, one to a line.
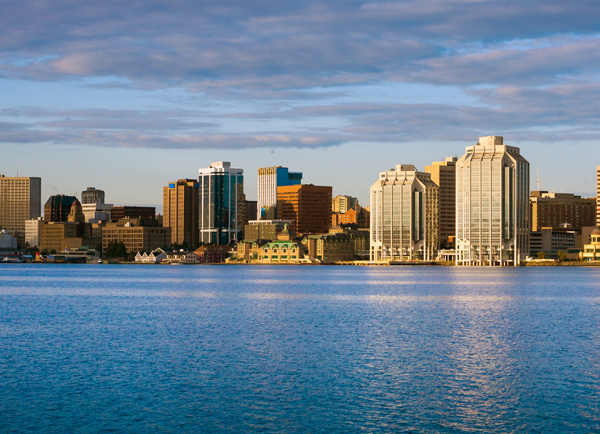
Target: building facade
(32,231)
(443,173)
(132,212)
(95,212)
(92,196)
(20,200)
(342,204)
(58,207)
(180,211)
(307,205)
(404,216)
(555,209)
(591,251)
(551,241)
(137,234)
(269,178)
(492,204)
(221,197)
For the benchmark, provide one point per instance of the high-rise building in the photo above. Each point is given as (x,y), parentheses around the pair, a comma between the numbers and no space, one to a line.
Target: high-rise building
(180,211)
(492,204)
(269,178)
(58,207)
(443,173)
(404,215)
(598,196)
(20,200)
(554,210)
(342,204)
(92,195)
(307,205)
(221,196)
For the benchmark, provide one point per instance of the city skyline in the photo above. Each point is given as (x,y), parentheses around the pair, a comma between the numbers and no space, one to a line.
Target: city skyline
(111,95)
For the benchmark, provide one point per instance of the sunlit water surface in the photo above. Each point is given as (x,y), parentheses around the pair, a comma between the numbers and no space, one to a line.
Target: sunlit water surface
(152,349)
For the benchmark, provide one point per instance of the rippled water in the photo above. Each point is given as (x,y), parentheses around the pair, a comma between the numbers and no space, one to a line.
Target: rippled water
(152,349)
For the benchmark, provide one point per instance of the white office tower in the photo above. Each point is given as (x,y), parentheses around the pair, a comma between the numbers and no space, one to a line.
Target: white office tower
(404,216)
(269,178)
(221,196)
(492,204)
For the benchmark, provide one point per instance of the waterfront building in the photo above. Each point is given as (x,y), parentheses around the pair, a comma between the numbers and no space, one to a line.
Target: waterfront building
(443,173)
(181,211)
(551,241)
(330,248)
(279,252)
(212,253)
(58,207)
(492,204)
(221,196)
(137,234)
(404,219)
(20,200)
(32,231)
(269,178)
(591,251)
(154,257)
(92,196)
(556,209)
(307,205)
(132,212)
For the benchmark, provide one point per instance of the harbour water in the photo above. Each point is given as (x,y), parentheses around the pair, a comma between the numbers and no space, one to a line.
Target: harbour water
(156,349)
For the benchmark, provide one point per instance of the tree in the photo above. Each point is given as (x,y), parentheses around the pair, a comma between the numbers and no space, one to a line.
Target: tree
(541,255)
(562,256)
(116,249)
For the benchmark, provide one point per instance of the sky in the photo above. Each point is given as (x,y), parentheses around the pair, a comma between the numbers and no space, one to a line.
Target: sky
(129,96)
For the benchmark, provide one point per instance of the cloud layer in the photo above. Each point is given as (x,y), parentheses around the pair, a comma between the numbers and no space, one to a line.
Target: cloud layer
(528,70)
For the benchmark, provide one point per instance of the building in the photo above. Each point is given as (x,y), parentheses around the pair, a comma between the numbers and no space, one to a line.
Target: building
(492,204)
(137,234)
(32,231)
(551,241)
(212,253)
(404,219)
(7,241)
(278,252)
(342,204)
(20,200)
(221,196)
(95,212)
(132,212)
(153,257)
(269,179)
(71,234)
(307,205)
(330,248)
(443,173)
(551,210)
(92,196)
(591,252)
(264,229)
(58,207)
(180,211)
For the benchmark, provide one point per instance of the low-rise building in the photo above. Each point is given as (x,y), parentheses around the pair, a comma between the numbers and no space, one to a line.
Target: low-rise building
(591,252)
(551,241)
(154,257)
(213,253)
(137,234)
(330,248)
(279,252)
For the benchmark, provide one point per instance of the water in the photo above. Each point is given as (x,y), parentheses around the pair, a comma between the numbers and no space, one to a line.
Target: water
(139,349)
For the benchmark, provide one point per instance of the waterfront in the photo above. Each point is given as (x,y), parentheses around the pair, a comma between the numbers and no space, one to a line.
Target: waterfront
(103,348)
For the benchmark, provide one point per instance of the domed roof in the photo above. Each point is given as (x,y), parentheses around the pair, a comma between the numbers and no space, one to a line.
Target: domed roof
(596,231)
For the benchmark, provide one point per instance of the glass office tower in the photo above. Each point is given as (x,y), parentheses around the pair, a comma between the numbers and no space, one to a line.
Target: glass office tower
(269,178)
(221,199)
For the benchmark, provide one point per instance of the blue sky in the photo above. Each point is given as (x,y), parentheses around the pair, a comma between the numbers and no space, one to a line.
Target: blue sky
(128,96)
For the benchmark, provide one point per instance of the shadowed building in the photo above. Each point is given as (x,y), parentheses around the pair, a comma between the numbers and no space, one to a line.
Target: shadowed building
(180,211)
(307,205)
(58,207)
(132,212)
(443,173)
(137,234)
(20,200)
(92,195)
(492,204)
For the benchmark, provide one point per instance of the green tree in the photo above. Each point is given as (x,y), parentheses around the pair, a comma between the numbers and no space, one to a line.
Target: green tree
(541,255)
(562,256)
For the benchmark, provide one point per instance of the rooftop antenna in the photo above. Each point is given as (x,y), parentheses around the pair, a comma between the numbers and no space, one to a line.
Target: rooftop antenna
(539,183)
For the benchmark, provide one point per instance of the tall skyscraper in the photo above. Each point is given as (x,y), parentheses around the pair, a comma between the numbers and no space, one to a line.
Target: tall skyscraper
(20,200)
(443,173)
(307,205)
(58,207)
(92,195)
(492,204)
(180,211)
(404,215)
(269,178)
(221,196)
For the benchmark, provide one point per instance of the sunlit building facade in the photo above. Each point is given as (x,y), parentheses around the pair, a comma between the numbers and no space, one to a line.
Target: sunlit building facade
(269,178)
(20,200)
(404,216)
(221,197)
(492,204)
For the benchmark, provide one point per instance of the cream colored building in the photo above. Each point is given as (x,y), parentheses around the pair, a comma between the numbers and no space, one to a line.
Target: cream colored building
(342,204)
(404,215)
(443,173)
(32,231)
(96,212)
(20,200)
(591,252)
(492,204)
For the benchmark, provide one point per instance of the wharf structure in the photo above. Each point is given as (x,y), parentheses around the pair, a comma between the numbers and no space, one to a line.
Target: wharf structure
(404,216)
(492,204)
